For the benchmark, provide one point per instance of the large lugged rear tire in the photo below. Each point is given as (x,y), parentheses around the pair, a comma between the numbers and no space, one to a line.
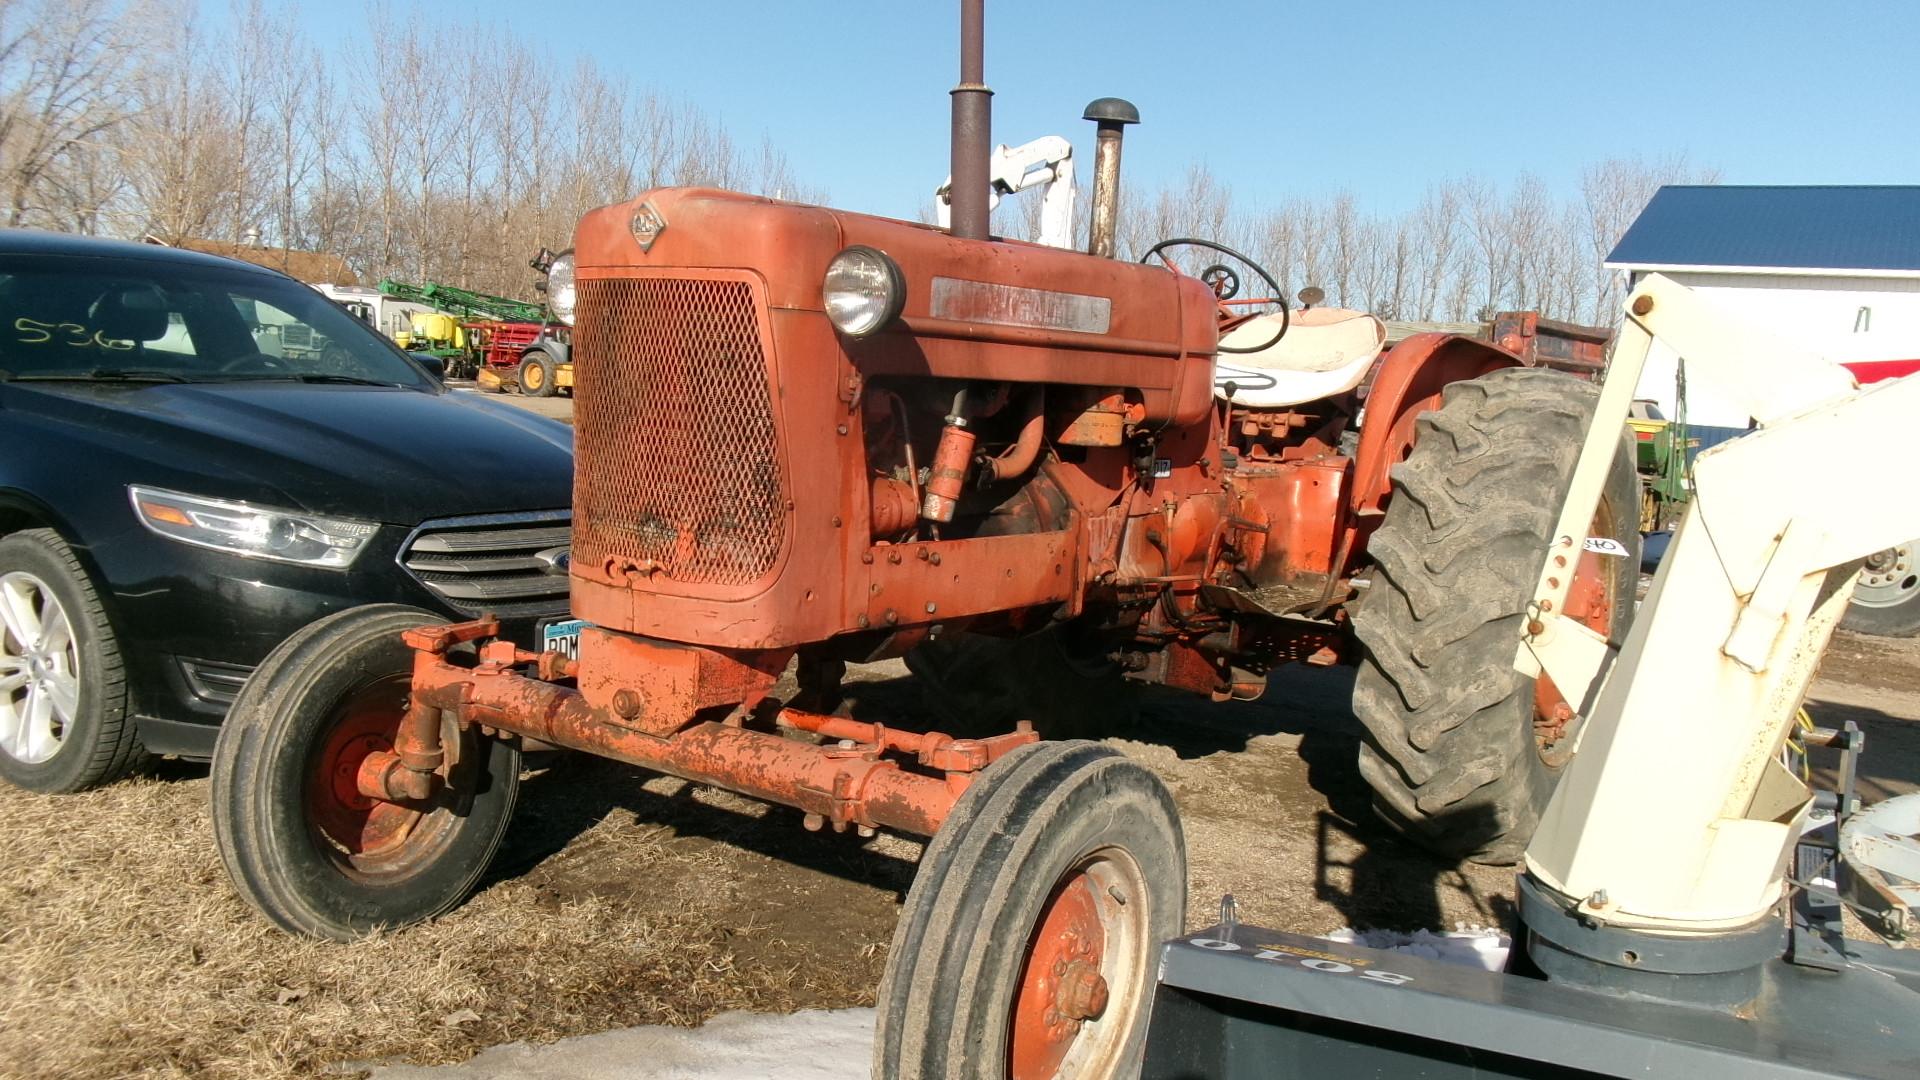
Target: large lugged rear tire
(1456,746)
(1029,945)
(299,842)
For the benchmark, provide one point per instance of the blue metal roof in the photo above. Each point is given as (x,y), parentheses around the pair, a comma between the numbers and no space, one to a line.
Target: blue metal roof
(1782,228)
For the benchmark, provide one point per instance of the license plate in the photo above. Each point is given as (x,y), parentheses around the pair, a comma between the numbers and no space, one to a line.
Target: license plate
(562,637)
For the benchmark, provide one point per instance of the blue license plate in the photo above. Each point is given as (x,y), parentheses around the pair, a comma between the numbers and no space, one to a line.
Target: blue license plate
(562,637)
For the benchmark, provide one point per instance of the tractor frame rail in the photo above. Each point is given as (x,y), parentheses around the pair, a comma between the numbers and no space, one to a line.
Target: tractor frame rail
(676,709)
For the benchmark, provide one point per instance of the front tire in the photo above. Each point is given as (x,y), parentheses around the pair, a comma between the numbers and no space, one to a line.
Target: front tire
(298,840)
(1461,751)
(1029,944)
(65,720)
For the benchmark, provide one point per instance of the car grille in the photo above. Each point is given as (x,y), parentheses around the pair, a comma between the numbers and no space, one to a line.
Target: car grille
(678,449)
(492,563)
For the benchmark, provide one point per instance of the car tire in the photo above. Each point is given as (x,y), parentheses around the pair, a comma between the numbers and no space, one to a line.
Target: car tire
(537,374)
(297,841)
(65,718)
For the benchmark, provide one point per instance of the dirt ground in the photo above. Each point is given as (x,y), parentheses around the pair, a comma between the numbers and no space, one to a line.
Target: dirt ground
(627,898)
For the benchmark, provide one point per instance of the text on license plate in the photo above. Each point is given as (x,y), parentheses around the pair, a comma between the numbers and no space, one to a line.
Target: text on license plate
(562,637)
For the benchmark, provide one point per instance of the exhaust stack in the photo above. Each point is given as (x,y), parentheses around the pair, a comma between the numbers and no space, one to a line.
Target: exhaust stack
(1111,114)
(972,129)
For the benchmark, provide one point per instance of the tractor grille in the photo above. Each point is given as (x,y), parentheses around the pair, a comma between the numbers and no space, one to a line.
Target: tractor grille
(491,563)
(677,459)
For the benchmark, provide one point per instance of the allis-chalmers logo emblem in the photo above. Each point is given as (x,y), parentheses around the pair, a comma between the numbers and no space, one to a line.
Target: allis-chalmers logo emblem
(648,225)
(553,560)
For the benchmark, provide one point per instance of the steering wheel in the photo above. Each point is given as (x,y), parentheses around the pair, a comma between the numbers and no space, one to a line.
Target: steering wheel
(252,359)
(1224,283)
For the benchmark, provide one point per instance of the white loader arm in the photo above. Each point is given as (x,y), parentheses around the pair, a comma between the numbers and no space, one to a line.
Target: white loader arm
(1675,814)
(1047,160)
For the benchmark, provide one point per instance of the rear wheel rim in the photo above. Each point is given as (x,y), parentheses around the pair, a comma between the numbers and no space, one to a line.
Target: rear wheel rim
(365,838)
(1080,987)
(534,378)
(39,670)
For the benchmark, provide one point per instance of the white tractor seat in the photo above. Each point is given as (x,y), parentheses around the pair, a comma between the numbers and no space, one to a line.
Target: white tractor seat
(1326,351)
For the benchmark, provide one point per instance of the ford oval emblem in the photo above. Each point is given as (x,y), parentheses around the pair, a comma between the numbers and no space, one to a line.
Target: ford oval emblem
(553,560)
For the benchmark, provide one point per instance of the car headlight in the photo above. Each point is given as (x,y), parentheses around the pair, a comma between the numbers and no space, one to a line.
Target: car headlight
(863,291)
(251,531)
(560,291)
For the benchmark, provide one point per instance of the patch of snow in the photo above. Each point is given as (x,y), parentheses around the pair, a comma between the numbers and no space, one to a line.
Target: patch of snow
(1468,946)
(811,1045)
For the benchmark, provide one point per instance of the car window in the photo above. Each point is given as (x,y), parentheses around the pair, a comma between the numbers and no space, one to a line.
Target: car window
(79,317)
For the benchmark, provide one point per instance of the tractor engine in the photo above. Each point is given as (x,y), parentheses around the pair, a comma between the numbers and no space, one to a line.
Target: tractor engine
(970,449)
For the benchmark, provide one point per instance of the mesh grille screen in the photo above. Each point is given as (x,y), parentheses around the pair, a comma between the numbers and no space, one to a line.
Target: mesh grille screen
(677,461)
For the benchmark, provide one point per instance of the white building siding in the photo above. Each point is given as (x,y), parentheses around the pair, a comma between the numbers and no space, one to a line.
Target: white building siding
(1846,319)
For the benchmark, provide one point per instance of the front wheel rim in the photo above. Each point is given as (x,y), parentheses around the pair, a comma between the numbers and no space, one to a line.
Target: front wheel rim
(39,670)
(1889,578)
(1080,988)
(371,840)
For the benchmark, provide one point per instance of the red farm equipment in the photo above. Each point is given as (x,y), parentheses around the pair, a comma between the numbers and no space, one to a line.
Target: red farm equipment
(808,438)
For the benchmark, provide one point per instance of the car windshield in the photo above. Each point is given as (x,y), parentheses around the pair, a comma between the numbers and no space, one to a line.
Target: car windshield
(165,321)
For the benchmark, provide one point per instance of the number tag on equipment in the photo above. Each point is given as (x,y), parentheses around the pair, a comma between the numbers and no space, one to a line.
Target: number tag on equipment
(1606,545)
(562,637)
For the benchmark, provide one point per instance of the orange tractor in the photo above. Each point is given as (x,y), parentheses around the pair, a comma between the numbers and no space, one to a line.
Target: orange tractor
(808,438)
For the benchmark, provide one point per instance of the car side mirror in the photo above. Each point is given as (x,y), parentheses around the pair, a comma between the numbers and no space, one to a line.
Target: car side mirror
(435,366)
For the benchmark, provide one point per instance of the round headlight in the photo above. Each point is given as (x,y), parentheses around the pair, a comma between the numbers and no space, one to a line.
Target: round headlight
(560,291)
(863,291)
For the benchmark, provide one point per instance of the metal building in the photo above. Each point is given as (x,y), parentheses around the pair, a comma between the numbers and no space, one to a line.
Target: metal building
(1837,267)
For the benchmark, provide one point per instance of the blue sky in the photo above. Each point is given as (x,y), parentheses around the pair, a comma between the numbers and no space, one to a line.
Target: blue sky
(1278,99)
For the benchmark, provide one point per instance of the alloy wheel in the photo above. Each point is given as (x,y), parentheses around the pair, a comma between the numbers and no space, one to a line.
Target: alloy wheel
(39,669)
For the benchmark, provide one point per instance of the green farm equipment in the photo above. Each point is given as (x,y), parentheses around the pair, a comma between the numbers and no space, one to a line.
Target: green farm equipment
(1662,449)
(466,303)
(482,336)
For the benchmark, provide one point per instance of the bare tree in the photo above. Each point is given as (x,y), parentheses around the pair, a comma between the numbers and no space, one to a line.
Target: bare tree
(1528,236)
(1613,192)
(288,118)
(1401,254)
(1488,222)
(1436,230)
(327,205)
(65,66)
(1201,206)
(1344,249)
(459,172)
(181,147)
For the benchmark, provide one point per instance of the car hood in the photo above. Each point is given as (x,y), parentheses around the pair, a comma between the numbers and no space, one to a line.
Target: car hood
(396,456)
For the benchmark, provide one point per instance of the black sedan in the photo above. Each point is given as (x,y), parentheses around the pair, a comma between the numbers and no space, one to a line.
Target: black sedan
(199,457)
